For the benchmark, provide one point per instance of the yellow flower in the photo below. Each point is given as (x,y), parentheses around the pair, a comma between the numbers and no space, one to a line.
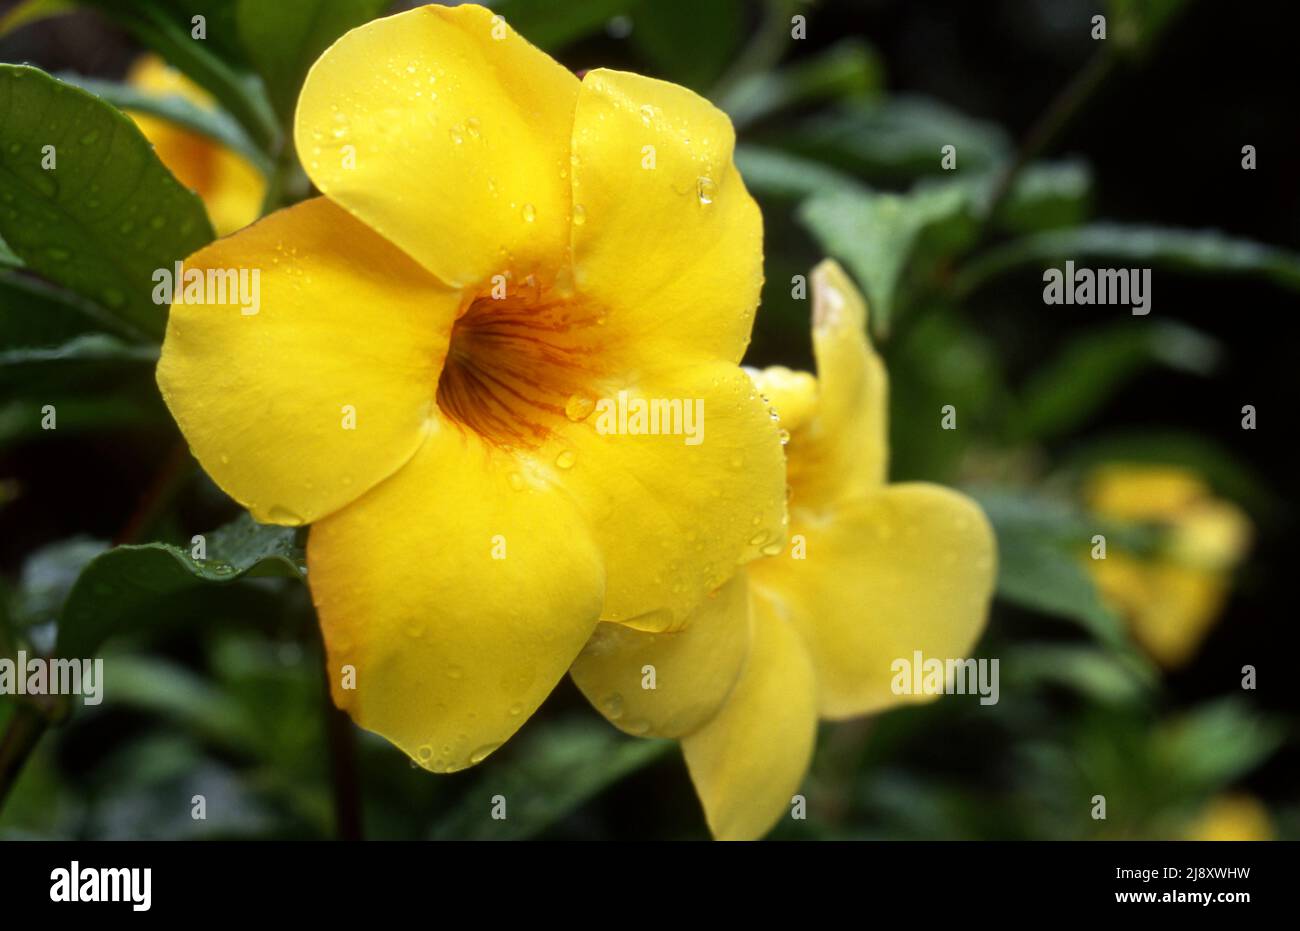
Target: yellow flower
(1232,817)
(872,574)
(1171,598)
(231,187)
(490,264)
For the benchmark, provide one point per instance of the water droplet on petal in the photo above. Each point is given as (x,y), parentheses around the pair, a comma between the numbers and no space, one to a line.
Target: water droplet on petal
(612,706)
(284,516)
(530,213)
(579,214)
(704,189)
(566,459)
(481,754)
(579,407)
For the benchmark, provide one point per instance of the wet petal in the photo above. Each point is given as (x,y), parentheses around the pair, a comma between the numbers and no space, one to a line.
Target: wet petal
(676,512)
(748,761)
(449,134)
(297,409)
(910,567)
(690,672)
(664,234)
(459,594)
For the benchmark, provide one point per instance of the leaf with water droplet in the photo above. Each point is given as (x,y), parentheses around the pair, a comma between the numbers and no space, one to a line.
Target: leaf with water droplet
(65,236)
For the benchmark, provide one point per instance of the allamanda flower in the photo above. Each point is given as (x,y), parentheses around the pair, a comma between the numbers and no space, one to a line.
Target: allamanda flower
(230,185)
(872,574)
(500,248)
(1172,597)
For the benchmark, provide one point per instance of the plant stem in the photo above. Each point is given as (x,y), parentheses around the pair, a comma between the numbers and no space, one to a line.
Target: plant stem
(20,739)
(169,479)
(1063,108)
(341,738)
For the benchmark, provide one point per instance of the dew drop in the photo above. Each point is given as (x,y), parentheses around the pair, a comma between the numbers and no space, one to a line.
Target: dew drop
(481,754)
(566,459)
(284,516)
(612,706)
(579,214)
(530,213)
(704,189)
(579,407)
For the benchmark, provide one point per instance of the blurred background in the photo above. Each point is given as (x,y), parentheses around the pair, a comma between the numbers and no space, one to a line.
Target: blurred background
(1122,679)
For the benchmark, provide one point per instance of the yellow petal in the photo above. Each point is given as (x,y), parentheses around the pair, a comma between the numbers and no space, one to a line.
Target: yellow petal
(1232,817)
(447,133)
(347,330)
(1143,492)
(793,395)
(675,517)
(152,74)
(690,672)
(839,442)
(748,762)
(459,594)
(664,231)
(231,187)
(1170,607)
(909,567)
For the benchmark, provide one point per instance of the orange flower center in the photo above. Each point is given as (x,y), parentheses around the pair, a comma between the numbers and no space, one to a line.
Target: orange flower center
(520,365)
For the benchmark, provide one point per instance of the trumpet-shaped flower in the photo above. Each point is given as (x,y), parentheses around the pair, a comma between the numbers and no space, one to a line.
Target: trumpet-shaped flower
(502,251)
(1172,597)
(230,186)
(871,574)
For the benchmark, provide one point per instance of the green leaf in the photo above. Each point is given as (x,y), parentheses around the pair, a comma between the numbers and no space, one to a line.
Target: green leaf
(848,69)
(82,359)
(552,26)
(34,313)
(1046,195)
(1099,674)
(107,215)
(48,574)
(773,173)
(1208,749)
(552,770)
(1200,251)
(31,11)
(1061,395)
(1042,545)
(215,64)
(285,38)
(689,42)
(893,140)
(7,257)
(127,408)
(215,124)
(127,589)
(878,236)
